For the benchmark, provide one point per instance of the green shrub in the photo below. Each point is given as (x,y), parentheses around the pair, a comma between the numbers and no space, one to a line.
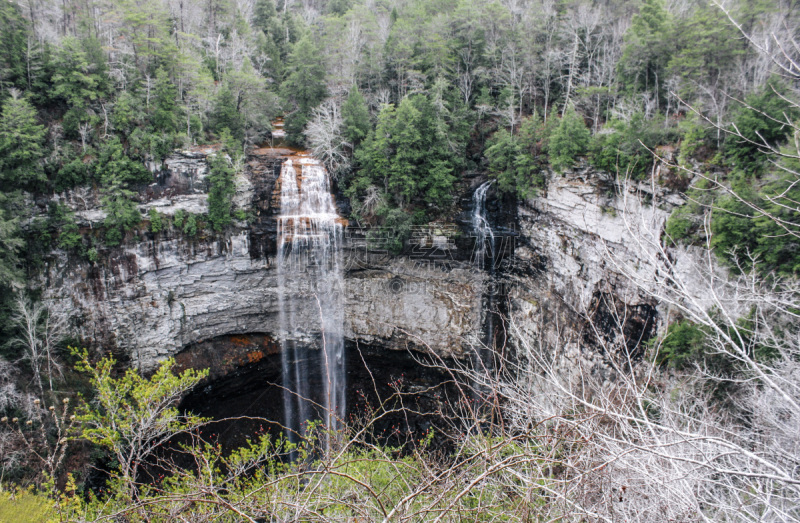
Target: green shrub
(624,148)
(763,118)
(682,345)
(220,192)
(179,218)
(511,163)
(190,227)
(156,223)
(568,141)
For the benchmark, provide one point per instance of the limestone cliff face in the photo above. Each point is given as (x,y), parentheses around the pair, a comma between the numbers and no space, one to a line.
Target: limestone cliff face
(150,299)
(582,245)
(569,256)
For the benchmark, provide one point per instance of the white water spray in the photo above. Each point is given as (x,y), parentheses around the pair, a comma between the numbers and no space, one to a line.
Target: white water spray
(310,276)
(480,226)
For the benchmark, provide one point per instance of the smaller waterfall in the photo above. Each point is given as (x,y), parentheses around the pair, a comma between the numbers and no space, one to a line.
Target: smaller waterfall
(310,295)
(481,228)
(484,260)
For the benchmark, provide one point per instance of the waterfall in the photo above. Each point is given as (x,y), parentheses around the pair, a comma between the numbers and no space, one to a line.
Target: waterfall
(481,228)
(483,357)
(310,296)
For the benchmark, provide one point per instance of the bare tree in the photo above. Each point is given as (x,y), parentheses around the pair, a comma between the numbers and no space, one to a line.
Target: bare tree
(324,133)
(41,327)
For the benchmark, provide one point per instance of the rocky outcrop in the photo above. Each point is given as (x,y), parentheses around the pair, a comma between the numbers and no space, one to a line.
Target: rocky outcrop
(586,266)
(149,300)
(562,258)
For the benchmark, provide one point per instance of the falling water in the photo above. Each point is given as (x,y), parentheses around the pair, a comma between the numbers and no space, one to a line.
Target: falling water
(484,259)
(481,228)
(310,285)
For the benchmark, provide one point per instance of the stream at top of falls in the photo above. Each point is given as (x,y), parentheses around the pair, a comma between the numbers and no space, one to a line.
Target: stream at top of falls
(309,256)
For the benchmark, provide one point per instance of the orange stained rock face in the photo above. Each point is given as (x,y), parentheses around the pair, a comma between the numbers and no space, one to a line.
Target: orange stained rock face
(242,341)
(253,357)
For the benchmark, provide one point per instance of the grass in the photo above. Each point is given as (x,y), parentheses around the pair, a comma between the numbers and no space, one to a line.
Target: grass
(23,506)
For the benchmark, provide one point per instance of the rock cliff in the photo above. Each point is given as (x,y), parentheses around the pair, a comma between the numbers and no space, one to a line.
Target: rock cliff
(147,300)
(562,258)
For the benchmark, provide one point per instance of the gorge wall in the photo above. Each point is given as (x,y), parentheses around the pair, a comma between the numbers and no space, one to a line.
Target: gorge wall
(151,298)
(564,255)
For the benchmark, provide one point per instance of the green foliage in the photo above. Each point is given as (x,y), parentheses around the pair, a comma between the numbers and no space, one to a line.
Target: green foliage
(125,116)
(131,416)
(624,148)
(568,141)
(678,226)
(122,214)
(190,225)
(80,72)
(304,86)
(703,49)
(62,219)
(511,162)
(156,223)
(73,173)
(21,144)
(647,49)
(355,118)
(220,192)
(408,154)
(14,32)
(114,164)
(164,117)
(682,345)
(399,223)
(24,506)
(10,242)
(777,232)
(693,136)
(149,143)
(763,121)
(179,218)
(226,115)
(732,227)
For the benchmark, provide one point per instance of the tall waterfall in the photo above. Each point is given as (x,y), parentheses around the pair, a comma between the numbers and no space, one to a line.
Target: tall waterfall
(481,228)
(310,296)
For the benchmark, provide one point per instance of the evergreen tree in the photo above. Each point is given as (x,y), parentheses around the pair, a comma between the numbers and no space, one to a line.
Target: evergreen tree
(164,118)
(569,140)
(21,144)
(79,76)
(221,190)
(14,30)
(647,49)
(122,214)
(226,115)
(511,163)
(304,87)
(407,156)
(113,164)
(355,118)
(763,122)
(10,243)
(125,115)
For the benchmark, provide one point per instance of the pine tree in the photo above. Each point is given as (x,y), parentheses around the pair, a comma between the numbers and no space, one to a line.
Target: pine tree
(21,144)
(569,140)
(14,31)
(164,118)
(226,115)
(221,190)
(355,118)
